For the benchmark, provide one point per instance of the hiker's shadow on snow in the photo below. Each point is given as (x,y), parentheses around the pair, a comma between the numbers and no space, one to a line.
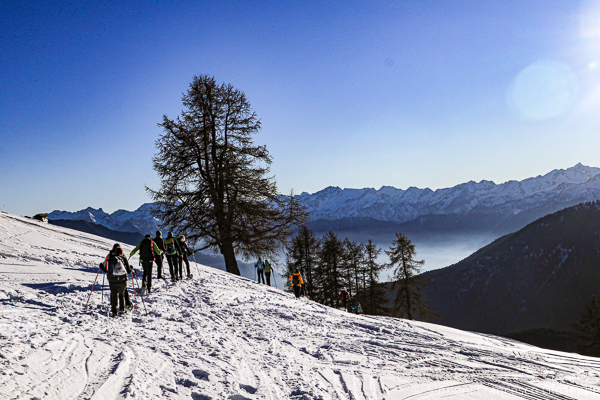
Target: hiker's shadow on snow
(57,287)
(19,303)
(84,269)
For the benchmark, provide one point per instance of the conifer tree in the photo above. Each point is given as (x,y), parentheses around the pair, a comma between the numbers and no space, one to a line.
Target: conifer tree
(214,179)
(408,302)
(374,296)
(588,328)
(327,277)
(302,253)
(352,266)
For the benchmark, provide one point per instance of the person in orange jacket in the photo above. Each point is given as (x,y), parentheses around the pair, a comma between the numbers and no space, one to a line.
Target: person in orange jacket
(297,282)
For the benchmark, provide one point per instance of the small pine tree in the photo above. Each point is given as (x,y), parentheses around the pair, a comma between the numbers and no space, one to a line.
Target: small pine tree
(375,292)
(409,286)
(352,266)
(302,254)
(587,328)
(327,276)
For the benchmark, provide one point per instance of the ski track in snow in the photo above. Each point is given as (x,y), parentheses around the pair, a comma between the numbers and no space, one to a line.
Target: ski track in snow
(224,337)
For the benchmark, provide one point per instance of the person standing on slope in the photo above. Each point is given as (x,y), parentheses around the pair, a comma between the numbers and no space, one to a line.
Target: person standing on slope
(344,298)
(183,256)
(260,269)
(268,270)
(297,282)
(128,304)
(147,249)
(159,260)
(117,269)
(173,252)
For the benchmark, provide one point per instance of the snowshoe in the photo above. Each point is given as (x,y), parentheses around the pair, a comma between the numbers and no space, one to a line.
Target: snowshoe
(190,276)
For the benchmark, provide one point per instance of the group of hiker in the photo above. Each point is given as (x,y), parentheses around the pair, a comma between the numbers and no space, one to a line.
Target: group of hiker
(117,267)
(263,269)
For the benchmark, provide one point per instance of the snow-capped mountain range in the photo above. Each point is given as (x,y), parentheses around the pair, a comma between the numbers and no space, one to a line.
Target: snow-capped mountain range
(579,183)
(518,201)
(140,220)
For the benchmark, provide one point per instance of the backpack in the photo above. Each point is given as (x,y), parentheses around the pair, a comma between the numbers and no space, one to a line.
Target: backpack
(170,245)
(295,279)
(116,269)
(146,250)
(259,265)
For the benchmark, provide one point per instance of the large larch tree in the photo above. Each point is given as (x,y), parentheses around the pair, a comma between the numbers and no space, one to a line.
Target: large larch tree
(215,183)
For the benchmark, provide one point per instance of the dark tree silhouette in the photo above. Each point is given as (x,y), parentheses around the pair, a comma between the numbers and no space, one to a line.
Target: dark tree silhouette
(408,302)
(302,254)
(327,275)
(353,266)
(375,292)
(214,180)
(587,328)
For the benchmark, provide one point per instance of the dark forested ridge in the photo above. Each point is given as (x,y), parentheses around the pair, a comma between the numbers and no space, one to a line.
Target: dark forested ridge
(537,277)
(132,238)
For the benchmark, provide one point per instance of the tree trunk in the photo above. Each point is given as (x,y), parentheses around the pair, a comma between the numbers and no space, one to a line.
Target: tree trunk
(229,256)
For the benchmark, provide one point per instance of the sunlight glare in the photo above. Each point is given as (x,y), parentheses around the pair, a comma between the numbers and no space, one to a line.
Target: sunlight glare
(543,90)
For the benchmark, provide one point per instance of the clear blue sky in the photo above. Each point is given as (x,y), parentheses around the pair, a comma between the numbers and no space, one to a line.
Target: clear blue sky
(351,94)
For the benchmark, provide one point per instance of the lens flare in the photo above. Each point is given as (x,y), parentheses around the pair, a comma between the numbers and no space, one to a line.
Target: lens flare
(543,90)
(590,18)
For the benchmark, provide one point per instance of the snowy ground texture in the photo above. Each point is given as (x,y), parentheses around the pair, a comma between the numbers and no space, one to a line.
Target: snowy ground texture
(223,337)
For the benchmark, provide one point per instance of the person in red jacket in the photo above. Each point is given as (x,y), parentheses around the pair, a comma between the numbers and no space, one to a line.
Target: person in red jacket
(344,298)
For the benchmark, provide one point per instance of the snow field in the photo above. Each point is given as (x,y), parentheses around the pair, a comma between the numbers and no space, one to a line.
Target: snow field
(224,337)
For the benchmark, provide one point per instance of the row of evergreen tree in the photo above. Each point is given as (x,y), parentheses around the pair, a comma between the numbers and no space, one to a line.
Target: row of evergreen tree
(329,264)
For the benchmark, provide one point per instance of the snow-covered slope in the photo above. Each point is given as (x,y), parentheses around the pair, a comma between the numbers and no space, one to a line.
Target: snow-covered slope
(224,337)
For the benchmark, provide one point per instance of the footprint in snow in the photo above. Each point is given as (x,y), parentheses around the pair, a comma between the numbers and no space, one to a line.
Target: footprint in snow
(248,388)
(199,374)
(196,396)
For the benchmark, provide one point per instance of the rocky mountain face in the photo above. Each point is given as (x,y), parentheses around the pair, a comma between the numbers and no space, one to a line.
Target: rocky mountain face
(537,277)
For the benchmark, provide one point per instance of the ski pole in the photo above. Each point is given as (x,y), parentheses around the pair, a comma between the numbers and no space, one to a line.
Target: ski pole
(142,297)
(103,289)
(134,297)
(197,270)
(275,279)
(86,304)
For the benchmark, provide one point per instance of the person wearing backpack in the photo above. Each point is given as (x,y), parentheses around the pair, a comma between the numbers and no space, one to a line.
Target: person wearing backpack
(173,251)
(159,260)
(183,256)
(260,269)
(268,270)
(147,249)
(128,303)
(297,282)
(117,269)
